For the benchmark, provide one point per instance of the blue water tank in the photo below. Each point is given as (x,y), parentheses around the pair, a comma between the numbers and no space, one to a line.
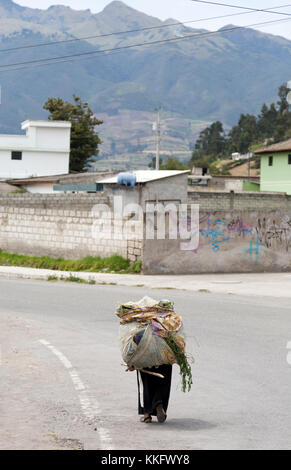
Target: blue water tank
(129,179)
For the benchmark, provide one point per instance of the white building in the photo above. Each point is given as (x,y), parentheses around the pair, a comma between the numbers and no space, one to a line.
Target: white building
(44,150)
(238,156)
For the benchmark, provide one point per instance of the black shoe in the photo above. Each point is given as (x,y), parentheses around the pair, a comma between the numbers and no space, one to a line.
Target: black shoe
(161,414)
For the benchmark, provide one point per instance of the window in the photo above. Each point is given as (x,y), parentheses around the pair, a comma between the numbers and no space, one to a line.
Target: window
(289,159)
(16,155)
(270,161)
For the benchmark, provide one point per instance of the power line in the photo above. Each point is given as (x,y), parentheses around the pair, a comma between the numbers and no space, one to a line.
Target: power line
(69,58)
(258,10)
(116,33)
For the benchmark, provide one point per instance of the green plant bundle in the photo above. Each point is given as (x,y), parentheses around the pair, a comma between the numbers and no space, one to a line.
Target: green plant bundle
(182,361)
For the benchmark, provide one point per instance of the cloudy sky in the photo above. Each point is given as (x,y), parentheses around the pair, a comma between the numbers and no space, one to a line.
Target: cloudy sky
(186,10)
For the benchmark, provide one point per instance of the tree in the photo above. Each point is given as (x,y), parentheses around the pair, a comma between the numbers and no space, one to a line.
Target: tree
(211,140)
(282,103)
(173,164)
(267,121)
(152,164)
(273,124)
(84,139)
(244,134)
(283,127)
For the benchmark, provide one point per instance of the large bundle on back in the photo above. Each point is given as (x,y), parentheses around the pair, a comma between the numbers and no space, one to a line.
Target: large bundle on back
(151,334)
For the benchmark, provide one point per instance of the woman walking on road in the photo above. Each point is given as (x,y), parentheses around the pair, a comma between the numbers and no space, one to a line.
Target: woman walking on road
(151,341)
(156,392)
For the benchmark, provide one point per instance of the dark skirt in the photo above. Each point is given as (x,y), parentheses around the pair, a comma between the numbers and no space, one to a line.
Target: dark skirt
(155,389)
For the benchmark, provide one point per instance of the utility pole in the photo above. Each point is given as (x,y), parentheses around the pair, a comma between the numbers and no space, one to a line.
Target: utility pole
(158,139)
(289,94)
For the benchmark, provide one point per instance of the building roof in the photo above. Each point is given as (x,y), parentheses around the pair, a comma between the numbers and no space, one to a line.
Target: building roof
(6,188)
(237,177)
(71,178)
(284,146)
(145,176)
(47,123)
(36,179)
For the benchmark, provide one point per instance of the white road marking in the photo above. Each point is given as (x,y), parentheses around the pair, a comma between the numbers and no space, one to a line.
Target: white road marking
(90,406)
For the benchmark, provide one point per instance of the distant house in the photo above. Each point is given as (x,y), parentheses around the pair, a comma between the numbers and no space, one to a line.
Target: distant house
(72,182)
(242,179)
(235,183)
(238,156)
(150,186)
(44,150)
(200,177)
(276,167)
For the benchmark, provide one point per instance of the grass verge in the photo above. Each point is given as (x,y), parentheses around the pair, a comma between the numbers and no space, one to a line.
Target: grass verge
(91,264)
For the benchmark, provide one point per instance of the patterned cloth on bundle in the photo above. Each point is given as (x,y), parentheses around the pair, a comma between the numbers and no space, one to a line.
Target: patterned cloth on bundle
(143,327)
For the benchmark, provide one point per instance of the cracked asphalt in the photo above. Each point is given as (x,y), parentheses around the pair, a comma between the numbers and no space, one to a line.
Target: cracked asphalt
(240,398)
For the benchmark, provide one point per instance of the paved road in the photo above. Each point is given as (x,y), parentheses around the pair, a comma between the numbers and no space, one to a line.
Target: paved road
(62,385)
(251,284)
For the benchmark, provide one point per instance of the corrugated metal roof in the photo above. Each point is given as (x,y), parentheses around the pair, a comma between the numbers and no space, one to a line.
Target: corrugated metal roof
(7,188)
(36,179)
(145,176)
(75,178)
(280,147)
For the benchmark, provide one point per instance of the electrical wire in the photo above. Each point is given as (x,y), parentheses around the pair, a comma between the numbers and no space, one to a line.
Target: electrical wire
(257,10)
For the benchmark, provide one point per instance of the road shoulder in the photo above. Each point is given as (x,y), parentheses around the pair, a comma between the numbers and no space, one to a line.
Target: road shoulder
(251,284)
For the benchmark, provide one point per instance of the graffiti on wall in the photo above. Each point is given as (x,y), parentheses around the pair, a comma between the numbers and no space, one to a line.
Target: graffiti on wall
(254,250)
(275,235)
(263,233)
(217,231)
(216,234)
(238,226)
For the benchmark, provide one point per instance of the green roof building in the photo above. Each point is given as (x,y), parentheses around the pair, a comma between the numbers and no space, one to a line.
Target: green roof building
(276,167)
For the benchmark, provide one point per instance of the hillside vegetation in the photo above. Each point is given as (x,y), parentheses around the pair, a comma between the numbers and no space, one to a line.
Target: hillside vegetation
(197,79)
(271,125)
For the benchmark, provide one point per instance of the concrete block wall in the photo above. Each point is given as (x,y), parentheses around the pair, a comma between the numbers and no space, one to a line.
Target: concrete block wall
(66,226)
(229,241)
(226,201)
(245,232)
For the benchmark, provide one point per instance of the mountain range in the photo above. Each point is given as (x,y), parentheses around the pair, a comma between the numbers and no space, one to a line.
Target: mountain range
(197,79)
